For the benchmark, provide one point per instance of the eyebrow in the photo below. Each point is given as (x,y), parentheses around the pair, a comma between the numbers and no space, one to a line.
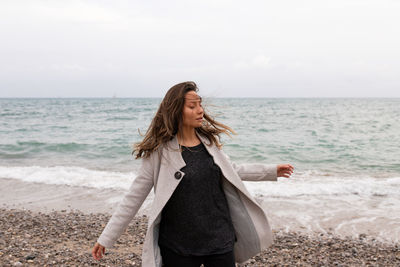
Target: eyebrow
(194,99)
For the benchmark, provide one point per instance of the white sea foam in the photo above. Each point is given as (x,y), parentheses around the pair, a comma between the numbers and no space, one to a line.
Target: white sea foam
(310,183)
(303,184)
(352,205)
(72,176)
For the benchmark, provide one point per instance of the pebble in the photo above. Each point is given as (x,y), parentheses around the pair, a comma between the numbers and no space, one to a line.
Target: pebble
(30,257)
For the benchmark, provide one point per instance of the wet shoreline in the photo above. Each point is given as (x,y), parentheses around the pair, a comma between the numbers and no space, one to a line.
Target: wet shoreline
(304,214)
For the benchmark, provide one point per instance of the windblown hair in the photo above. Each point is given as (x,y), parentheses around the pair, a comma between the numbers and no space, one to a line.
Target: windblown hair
(168,121)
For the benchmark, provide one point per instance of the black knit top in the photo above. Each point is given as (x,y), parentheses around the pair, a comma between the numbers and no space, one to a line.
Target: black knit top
(196,220)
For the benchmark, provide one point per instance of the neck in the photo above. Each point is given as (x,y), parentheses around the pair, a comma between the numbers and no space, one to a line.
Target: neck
(187,136)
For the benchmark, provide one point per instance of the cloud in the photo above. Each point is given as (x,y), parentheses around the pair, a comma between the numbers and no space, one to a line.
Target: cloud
(73,12)
(259,61)
(63,68)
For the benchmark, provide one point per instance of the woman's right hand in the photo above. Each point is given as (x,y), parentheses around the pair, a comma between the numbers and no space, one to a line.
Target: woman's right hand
(98,251)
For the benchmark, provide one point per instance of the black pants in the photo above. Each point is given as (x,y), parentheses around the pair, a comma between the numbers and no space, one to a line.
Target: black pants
(171,259)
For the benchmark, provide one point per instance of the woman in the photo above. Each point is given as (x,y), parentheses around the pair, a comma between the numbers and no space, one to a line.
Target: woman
(202,213)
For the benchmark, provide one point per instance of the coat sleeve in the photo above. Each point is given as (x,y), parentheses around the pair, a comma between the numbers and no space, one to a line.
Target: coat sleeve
(254,171)
(130,204)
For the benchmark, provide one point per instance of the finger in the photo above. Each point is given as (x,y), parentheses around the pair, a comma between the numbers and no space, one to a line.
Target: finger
(287,170)
(95,251)
(288,166)
(99,253)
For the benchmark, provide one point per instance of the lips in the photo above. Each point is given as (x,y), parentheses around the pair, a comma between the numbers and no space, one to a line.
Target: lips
(199,119)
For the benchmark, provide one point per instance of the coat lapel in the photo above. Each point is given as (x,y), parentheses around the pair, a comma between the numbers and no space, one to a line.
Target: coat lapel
(172,162)
(173,153)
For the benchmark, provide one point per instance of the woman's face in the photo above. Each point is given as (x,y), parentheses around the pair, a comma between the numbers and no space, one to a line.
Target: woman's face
(192,110)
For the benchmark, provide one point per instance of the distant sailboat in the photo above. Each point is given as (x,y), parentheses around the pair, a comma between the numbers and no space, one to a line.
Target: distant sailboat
(114,96)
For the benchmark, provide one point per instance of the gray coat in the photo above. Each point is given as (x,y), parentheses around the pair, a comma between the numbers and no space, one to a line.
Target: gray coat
(162,171)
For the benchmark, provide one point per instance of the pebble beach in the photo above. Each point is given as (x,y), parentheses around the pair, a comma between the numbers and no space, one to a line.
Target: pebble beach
(65,238)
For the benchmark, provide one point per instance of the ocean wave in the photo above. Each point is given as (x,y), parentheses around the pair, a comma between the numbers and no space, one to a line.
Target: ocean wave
(316,183)
(69,175)
(36,146)
(302,184)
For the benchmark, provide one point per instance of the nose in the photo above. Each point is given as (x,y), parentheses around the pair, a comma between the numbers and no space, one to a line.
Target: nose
(200,110)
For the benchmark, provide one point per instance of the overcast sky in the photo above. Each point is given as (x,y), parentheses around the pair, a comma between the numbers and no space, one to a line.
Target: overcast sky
(280,48)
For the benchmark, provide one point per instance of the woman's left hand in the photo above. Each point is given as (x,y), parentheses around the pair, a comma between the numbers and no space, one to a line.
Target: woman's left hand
(284,170)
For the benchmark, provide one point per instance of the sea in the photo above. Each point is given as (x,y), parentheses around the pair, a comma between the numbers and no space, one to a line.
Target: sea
(345,153)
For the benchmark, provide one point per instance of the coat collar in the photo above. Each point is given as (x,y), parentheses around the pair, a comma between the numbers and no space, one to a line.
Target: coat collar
(176,156)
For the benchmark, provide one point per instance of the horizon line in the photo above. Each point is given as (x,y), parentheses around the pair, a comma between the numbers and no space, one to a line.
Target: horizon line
(154,97)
